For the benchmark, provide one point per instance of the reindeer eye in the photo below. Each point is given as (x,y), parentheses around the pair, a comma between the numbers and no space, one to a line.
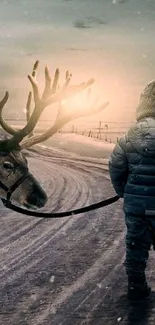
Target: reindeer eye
(8,165)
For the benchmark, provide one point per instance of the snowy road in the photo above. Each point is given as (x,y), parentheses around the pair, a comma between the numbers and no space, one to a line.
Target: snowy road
(67,271)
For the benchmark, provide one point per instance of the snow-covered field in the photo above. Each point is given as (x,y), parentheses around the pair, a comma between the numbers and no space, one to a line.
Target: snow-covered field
(80,145)
(70,271)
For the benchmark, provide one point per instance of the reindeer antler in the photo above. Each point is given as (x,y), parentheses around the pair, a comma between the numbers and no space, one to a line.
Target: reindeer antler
(29,99)
(51,94)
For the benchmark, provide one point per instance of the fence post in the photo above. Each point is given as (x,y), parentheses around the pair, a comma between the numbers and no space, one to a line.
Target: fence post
(106,135)
(99,129)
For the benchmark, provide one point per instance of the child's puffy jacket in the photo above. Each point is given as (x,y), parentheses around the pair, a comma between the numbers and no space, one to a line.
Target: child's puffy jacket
(132,168)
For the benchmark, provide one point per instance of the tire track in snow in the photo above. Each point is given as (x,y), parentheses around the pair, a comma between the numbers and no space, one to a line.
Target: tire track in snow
(84,281)
(77,191)
(52,246)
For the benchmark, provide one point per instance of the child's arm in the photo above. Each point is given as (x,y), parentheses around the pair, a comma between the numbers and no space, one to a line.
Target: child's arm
(118,167)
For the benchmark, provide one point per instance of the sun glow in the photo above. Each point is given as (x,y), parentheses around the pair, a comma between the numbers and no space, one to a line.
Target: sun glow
(79,102)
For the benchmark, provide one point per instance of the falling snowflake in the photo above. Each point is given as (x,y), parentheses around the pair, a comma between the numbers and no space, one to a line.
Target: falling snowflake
(53,310)
(119,319)
(52,279)
(33,297)
(118,1)
(4,267)
(99,285)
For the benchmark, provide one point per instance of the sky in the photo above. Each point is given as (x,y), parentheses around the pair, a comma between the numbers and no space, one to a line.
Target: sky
(110,40)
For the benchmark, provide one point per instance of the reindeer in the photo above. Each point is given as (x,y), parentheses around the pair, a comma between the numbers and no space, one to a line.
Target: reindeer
(16,182)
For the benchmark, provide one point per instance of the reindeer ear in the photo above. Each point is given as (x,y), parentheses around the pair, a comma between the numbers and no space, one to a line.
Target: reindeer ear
(8,146)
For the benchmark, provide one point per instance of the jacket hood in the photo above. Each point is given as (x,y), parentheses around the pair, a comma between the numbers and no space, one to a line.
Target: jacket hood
(142,136)
(146,106)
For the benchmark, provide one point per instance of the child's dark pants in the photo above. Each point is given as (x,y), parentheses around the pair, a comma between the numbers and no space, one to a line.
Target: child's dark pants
(139,239)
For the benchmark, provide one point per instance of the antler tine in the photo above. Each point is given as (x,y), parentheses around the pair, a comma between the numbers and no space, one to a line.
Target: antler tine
(35,67)
(4,100)
(28,110)
(4,125)
(28,106)
(29,99)
(48,90)
(47,83)
(67,80)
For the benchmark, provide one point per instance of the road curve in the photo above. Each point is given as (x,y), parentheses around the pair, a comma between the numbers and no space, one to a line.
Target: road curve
(66,271)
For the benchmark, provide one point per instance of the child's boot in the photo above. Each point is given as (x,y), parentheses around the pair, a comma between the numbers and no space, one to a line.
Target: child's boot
(137,288)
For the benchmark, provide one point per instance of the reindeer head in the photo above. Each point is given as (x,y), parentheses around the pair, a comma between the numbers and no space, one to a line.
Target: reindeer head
(15,180)
(16,183)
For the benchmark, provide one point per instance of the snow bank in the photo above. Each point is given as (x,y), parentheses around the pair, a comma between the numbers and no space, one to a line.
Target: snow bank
(81,145)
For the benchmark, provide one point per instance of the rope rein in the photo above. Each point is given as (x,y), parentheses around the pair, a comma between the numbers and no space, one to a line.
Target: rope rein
(50,215)
(9,191)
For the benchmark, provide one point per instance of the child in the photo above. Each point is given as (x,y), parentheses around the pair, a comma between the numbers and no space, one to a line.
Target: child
(132,172)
